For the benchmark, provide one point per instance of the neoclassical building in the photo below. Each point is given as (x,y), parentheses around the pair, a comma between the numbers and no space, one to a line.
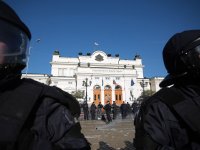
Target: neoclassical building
(99,76)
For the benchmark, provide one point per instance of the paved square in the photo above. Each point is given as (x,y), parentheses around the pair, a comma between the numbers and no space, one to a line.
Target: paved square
(117,135)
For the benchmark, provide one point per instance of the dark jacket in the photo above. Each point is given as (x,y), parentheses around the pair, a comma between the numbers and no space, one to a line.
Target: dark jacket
(93,108)
(50,123)
(107,108)
(99,106)
(163,127)
(85,106)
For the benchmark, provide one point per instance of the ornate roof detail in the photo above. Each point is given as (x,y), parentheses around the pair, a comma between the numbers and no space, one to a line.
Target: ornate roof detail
(99,57)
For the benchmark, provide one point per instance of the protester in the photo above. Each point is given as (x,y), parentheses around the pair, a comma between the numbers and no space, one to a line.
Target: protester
(32,115)
(170,120)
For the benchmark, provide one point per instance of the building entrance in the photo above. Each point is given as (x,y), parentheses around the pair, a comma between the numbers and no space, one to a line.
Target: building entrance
(107,94)
(97,94)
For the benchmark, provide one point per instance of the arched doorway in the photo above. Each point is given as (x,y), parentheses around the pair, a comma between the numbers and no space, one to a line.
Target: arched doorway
(107,94)
(118,95)
(97,94)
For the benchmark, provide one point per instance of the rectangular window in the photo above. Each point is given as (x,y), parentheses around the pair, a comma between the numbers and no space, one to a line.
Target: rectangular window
(99,97)
(107,78)
(120,97)
(116,97)
(117,78)
(94,96)
(65,72)
(60,72)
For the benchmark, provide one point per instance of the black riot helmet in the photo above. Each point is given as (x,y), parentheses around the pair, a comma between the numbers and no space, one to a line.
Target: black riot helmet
(181,56)
(14,40)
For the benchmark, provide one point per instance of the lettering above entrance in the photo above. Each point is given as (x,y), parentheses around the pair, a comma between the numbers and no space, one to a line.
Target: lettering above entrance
(99,57)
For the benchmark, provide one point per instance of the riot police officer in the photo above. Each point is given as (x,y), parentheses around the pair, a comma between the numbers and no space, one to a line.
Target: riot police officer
(114,110)
(85,110)
(93,110)
(32,115)
(107,109)
(169,119)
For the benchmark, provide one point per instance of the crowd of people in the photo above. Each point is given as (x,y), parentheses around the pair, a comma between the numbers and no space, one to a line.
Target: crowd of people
(109,111)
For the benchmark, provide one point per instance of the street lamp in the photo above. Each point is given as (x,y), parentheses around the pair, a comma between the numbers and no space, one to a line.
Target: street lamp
(86,83)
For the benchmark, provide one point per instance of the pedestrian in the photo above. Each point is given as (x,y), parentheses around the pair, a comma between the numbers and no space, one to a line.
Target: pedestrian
(93,109)
(170,118)
(123,109)
(85,110)
(99,110)
(107,109)
(32,115)
(114,110)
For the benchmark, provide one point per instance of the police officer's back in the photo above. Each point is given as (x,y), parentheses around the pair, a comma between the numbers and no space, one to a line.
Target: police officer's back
(123,109)
(32,115)
(85,110)
(99,110)
(170,118)
(107,108)
(93,111)
(114,110)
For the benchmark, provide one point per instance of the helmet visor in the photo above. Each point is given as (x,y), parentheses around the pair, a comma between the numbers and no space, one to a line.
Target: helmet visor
(13,44)
(193,58)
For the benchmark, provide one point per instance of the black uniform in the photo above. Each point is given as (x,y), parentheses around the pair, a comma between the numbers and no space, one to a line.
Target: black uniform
(99,110)
(123,109)
(160,125)
(85,110)
(49,121)
(114,110)
(169,119)
(32,115)
(135,108)
(93,109)
(107,108)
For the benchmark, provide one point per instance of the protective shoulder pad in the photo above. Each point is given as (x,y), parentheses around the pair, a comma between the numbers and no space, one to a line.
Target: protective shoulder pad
(186,109)
(16,105)
(64,98)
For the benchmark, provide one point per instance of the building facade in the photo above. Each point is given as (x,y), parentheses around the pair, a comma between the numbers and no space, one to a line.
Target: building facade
(100,77)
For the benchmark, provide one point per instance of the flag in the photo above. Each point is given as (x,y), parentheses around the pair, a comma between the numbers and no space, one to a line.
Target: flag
(132,82)
(131,93)
(95,43)
(114,82)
